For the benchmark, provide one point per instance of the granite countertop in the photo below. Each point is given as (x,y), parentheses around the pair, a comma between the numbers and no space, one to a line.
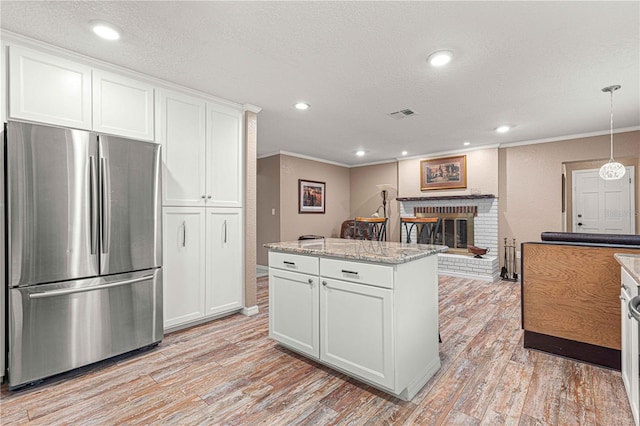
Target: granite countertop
(370,251)
(630,262)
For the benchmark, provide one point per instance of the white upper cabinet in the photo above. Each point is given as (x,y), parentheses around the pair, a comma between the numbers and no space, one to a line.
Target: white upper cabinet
(181,131)
(122,106)
(48,89)
(224,156)
(203,154)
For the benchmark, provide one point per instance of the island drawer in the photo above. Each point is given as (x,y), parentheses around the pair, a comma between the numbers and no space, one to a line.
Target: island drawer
(294,262)
(358,272)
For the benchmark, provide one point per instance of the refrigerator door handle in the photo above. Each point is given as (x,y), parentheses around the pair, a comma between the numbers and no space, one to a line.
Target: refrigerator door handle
(104,199)
(89,288)
(93,204)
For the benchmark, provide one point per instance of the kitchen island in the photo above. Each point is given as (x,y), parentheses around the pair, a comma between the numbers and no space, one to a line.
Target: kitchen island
(366,308)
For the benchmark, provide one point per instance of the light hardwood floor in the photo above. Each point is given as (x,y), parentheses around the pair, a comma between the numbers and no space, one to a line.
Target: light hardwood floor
(229,372)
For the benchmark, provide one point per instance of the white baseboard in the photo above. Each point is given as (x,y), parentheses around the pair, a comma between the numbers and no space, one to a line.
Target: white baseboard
(262,271)
(249,310)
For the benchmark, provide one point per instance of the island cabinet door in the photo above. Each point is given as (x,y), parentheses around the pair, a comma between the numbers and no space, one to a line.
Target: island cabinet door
(356,323)
(294,310)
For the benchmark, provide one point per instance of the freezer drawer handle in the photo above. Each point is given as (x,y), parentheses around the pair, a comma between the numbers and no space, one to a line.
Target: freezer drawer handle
(85,289)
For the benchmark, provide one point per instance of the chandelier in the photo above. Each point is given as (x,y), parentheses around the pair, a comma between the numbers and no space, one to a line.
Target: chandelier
(612,170)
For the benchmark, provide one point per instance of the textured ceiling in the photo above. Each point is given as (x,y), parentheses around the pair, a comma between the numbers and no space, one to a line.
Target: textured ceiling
(536,65)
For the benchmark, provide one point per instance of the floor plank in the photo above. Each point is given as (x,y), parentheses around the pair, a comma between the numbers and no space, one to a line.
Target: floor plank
(229,372)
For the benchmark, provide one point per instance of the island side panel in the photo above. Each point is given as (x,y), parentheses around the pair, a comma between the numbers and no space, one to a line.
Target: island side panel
(416,293)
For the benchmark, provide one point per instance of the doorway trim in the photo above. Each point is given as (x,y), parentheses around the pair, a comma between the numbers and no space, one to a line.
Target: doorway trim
(570,166)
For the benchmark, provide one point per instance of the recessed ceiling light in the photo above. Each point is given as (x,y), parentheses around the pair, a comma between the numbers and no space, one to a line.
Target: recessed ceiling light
(440,58)
(105,30)
(360,153)
(302,105)
(404,152)
(467,143)
(503,129)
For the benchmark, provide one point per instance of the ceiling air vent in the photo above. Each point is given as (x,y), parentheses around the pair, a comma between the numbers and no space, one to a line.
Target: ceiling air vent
(404,113)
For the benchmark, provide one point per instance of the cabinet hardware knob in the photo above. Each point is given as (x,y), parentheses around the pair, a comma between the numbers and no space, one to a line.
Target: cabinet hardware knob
(209,196)
(579,223)
(324,283)
(203,196)
(310,281)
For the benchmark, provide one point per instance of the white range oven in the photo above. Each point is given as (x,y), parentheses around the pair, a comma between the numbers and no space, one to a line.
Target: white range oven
(630,314)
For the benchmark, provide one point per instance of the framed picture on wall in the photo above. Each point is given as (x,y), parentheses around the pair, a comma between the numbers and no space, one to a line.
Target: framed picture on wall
(443,173)
(311,196)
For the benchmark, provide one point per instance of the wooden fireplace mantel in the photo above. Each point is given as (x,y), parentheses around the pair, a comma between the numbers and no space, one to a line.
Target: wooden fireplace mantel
(447,197)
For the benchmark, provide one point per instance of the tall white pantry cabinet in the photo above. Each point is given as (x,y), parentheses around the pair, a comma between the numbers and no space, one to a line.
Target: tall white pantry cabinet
(203,222)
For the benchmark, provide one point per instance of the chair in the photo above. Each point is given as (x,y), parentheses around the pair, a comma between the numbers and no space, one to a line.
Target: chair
(346,230)
(370,228)
(426,228)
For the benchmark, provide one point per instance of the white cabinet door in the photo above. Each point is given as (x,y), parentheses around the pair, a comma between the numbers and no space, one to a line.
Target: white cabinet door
(224,156)
(184,272)
(294,310)
(356,323)
(224,268)
(181,131)
(48,89)
(122,106)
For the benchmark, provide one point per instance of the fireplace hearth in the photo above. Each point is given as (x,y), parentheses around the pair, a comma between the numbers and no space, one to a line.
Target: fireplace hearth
(466,220)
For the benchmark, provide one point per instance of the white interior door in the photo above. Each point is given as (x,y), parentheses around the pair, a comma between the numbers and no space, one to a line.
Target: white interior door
(601,206)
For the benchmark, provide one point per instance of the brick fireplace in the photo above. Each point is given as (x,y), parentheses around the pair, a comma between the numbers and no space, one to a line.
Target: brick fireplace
(467,220)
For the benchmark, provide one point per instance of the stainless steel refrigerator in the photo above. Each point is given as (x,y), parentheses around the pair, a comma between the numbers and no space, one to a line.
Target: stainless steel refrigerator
(84,253)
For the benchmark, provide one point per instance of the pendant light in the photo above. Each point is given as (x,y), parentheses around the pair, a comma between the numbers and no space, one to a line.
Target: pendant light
(612,170)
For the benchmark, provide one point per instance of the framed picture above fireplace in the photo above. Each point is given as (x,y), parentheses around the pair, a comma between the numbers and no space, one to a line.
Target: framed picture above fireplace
(443,173)
(311,196)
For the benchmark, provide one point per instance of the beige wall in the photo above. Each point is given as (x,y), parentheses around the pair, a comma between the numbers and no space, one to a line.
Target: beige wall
(531,181)
(278,189)
(482,175)
(366,197)
(294,224)
(268,199)
(527,179)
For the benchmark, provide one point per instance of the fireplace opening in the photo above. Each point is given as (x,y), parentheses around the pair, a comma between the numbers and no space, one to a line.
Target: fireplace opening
(456,231)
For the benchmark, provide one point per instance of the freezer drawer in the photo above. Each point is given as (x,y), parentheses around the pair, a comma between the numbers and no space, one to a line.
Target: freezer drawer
(58,327)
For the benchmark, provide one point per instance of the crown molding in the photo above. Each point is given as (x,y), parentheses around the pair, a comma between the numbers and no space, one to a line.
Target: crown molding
(8,37)
(568,137)
(251,108)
